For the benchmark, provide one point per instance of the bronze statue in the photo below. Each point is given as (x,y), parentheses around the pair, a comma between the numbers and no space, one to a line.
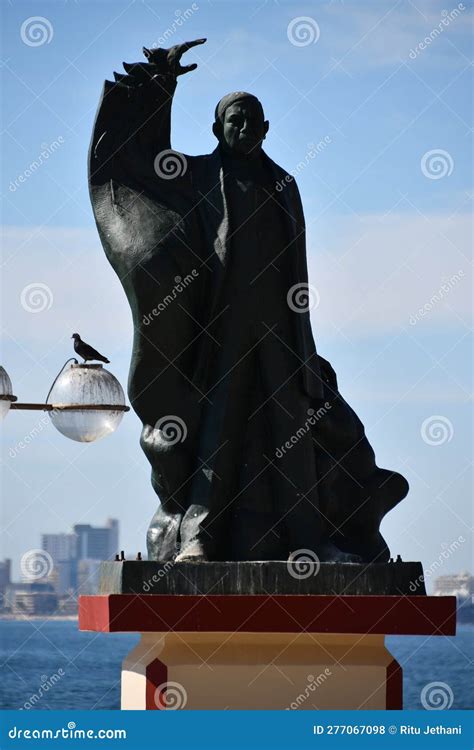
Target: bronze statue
(254,453)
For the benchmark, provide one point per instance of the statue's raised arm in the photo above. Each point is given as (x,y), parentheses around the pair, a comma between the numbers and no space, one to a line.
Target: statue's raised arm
(133,118)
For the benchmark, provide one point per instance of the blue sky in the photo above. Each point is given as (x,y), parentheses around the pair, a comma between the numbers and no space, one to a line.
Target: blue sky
(385,233)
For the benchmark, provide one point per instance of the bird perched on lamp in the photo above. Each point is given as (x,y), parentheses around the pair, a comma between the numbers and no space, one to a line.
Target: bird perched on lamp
(86,351)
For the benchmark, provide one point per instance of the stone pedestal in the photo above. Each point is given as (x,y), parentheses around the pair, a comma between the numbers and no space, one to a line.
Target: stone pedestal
(260,671)
(263,650)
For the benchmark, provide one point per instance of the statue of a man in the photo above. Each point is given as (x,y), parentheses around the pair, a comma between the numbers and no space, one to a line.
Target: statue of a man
(254,453)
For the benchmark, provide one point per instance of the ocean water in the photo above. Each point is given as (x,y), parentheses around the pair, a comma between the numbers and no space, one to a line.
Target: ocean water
(83,669)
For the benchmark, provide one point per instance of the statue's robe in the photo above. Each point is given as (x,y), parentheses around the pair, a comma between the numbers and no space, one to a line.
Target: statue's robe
(236,374)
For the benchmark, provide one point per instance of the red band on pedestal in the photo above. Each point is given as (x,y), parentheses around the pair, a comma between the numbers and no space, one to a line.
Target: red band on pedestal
(383,615)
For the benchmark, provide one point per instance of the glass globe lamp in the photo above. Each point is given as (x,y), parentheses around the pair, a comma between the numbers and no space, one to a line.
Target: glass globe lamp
(6,393)
(86,403)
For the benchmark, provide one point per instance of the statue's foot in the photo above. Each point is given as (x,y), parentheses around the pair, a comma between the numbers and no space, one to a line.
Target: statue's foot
(192,552)
(328,552)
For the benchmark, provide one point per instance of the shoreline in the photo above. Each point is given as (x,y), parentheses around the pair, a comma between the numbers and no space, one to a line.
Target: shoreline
(23,618)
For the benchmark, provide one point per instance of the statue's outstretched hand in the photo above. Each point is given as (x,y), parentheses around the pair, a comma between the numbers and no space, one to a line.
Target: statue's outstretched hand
(159,62)
(168,60)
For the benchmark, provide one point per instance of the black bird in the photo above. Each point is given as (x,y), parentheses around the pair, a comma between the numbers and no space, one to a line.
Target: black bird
(85,351)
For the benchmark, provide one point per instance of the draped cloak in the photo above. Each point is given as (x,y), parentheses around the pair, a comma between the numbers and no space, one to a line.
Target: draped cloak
(165,223)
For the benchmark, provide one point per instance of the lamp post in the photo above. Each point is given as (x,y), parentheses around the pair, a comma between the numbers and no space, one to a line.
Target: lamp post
(85,402)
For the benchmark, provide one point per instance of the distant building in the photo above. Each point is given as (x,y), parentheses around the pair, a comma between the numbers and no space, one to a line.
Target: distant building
(5,577)
(60,546)
(86,543)
(458,584)
(36,598)
(88,576)
(67,604)
(63,551)
(97,543)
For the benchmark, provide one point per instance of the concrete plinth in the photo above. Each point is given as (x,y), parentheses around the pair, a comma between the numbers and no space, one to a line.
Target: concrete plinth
(264,651)
(260,670)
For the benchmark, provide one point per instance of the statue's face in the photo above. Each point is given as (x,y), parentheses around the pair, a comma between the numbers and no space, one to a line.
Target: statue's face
(244,128)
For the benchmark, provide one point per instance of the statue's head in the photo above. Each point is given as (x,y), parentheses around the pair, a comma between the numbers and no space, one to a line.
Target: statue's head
(240,125)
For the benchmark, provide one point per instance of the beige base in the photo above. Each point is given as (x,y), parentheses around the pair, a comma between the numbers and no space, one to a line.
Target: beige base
(256,671)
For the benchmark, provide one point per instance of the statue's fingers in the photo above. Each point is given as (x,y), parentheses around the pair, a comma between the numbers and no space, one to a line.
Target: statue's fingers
(134,68)
(182,48)
(186,68)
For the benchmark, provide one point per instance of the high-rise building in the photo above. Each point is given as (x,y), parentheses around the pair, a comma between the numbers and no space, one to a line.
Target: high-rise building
(63,551)
(5,579)
(60,546)
(88,576)
(95,542)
